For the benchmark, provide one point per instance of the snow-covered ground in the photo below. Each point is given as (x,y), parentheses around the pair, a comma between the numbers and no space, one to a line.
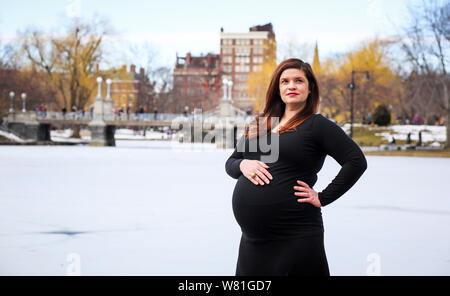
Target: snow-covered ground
(433,135)
(11,137)
(430,133)
(120,134)
(164,208)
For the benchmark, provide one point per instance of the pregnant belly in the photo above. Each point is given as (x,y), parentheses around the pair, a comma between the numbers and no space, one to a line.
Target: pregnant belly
(272,210)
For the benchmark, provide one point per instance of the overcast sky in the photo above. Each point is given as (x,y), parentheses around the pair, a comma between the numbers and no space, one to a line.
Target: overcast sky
(194,26)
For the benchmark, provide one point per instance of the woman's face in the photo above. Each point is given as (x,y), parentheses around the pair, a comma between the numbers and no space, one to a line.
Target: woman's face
(294,88)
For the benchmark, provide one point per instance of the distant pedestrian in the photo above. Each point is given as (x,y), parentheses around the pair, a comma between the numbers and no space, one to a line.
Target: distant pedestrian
(393,141)
(74,112)
(420,139)
(41,110)
(155,113)
(140,112)
(408,138)
(121,112)
(128,110)
(64,111)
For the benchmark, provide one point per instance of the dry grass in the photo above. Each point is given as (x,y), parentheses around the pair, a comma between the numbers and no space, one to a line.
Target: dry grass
(365,136)
(4,139)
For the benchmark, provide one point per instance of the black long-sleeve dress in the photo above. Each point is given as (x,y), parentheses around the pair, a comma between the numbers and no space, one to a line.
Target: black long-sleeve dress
(281,236)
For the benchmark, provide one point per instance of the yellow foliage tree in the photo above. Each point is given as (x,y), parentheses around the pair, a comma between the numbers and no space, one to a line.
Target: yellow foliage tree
(381,88)
(70,62)
(258,81)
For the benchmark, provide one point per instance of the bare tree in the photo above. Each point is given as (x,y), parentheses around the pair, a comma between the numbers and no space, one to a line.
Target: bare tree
(427,48)
(71,62)
(294,49)
(156,81)
(14,77)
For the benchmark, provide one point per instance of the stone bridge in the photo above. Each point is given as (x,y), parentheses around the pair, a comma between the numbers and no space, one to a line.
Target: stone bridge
(226,122)
(36,126)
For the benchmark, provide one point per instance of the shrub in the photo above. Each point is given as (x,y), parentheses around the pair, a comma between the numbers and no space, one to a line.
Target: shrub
(382,116)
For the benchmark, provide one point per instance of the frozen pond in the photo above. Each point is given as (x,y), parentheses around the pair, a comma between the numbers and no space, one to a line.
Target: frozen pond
(159,208)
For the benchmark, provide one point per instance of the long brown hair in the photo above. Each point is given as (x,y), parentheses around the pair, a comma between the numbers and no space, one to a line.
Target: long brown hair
(275,106)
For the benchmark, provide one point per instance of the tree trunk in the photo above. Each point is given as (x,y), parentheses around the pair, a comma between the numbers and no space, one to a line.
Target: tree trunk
(446,108)
(76,131)
(447,125)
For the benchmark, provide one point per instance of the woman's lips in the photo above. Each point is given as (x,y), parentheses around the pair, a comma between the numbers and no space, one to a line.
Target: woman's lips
(291,94)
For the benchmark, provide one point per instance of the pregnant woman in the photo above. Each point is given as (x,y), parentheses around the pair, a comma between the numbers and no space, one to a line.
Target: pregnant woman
(274,202)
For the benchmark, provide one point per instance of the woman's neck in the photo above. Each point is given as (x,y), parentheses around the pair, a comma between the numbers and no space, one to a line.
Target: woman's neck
(290,111)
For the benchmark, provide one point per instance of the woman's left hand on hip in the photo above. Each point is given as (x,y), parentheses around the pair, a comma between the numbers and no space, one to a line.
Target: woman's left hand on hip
(310,195)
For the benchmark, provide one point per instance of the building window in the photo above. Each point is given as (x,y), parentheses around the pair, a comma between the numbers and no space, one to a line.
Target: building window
(227,50)
(227,41)
(240,68)
(242,78)
(241,87)
(257,60)
(242,41)
(227,77)
(243,51)
(257,68)
(258,50)
(227,59)
(242,59)
(227,68)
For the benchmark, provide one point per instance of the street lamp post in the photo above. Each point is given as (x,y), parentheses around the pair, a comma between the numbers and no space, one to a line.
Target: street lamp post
(352,86)
(225,89)
(99,81)
(11,106)
(99,93)
(230,85)
(24,97)
(108,89)
(108,109)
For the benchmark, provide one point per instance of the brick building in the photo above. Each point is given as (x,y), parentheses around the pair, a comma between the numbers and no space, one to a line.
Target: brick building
(242,53)
(131,89)
(196,82)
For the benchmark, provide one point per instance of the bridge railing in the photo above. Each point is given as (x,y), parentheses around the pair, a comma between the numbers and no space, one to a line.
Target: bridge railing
(64,116)
(137,117)
(115,116)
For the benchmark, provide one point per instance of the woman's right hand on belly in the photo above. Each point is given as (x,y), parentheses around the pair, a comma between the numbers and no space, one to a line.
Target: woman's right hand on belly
(255,171)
